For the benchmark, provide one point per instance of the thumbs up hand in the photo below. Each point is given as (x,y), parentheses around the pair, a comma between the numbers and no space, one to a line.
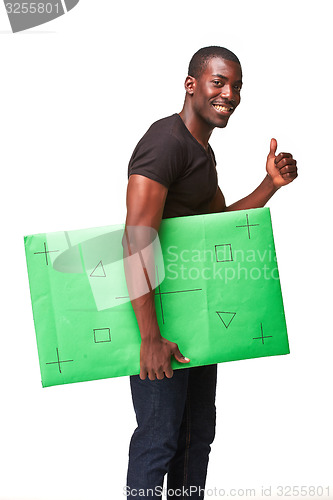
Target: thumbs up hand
(281,168)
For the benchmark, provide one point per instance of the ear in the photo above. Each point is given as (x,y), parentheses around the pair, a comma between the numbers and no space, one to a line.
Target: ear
(189,85)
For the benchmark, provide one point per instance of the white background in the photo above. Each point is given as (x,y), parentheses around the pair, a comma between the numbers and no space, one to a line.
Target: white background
(76,96)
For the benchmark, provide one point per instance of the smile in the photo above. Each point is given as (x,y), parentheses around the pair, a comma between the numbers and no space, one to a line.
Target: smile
(223,109)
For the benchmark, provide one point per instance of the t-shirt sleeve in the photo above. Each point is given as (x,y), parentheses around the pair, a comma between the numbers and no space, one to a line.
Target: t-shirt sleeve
(158,157)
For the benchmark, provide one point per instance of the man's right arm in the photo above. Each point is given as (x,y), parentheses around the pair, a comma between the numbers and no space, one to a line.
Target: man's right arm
(145,203)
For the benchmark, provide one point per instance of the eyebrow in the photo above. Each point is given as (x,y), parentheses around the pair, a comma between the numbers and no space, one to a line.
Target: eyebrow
(225,78)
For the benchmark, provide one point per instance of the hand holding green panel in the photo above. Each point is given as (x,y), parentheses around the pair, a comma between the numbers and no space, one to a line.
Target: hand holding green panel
(220,299)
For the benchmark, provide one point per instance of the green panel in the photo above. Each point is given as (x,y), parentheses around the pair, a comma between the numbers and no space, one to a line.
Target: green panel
(220,298)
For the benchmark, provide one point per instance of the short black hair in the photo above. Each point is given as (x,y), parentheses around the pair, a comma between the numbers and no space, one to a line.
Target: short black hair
(201,58)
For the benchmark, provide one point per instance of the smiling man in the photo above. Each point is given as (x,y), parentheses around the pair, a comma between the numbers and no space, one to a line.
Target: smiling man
(172,173)
(212,105)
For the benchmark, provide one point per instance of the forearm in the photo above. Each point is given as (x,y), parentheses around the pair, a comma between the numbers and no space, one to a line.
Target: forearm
(145,313)
(257,199)
(139,267)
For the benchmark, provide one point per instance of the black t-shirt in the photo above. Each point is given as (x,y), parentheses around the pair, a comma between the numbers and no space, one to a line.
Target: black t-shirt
(169,154)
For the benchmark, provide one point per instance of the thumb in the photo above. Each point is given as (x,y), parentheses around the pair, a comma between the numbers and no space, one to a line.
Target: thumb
(179,357)
(273,148)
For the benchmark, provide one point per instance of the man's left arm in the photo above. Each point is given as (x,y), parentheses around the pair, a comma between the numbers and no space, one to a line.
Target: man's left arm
(281,170)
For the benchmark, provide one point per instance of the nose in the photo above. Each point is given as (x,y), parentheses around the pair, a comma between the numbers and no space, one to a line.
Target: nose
(227,92)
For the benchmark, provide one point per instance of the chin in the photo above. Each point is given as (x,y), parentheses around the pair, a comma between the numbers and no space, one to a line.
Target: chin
(220,121)
(221,124)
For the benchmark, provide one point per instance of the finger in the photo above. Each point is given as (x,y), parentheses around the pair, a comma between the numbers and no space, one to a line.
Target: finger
(290,175)
(169,372)
(151,375)
(159,374)
(272,148)
(179,356)
(285,161)
(289,169)
(282,155)
(143,373)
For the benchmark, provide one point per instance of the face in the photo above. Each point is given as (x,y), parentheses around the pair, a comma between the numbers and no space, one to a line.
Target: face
(216,93)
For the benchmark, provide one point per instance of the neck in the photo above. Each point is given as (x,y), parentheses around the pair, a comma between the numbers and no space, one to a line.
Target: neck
(197,127)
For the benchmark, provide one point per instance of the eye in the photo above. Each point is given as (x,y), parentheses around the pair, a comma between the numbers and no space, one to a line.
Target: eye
(238,88)
(218,83)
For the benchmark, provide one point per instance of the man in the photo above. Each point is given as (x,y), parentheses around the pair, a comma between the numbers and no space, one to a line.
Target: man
(172,173)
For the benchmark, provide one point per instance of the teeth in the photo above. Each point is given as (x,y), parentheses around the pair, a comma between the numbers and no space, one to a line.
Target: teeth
(221,108)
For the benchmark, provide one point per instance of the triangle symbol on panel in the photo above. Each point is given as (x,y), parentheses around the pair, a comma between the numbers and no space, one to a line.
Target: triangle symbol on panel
(99,271)
(226,317)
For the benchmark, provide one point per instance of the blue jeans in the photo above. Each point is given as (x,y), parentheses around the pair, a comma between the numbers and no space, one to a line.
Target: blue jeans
(176,425)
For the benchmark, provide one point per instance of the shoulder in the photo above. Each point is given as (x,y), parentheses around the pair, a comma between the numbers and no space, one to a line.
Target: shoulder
(160,154)
(163,141)
(167,130)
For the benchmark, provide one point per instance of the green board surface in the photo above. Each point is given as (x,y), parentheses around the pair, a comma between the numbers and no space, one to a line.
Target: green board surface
(218,296)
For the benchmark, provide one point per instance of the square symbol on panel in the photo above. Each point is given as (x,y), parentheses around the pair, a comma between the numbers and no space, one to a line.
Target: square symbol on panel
(102,335)
(223,253)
